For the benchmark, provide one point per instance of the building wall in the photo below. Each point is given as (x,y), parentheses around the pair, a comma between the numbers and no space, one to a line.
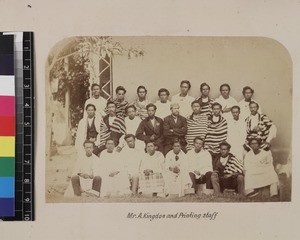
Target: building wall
(262,63)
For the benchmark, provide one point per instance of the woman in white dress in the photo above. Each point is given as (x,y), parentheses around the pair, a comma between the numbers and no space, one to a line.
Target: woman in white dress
(259,169)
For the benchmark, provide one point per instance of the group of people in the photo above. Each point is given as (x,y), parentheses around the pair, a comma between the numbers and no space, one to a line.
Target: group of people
(169,147)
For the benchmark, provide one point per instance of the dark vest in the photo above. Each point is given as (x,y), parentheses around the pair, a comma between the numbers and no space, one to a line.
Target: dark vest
(91,130)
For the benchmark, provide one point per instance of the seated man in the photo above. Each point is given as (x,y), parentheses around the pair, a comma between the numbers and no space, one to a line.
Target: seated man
(151,128)
(111,126)
(200,164)
(151,171)
(259,170)
(131,158)
(83,177)
(227,171)
(177,178)
(112,172)
(175,127)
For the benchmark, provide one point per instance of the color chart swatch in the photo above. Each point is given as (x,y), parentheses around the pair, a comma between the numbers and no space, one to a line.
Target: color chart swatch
(7,126)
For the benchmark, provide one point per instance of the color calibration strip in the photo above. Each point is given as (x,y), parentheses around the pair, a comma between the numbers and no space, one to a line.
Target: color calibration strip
(7,127)
(24,136)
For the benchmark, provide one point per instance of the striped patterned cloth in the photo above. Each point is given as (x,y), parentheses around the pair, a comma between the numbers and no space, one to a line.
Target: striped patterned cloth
(196,127)
(141,108)
(233,165)
(121,106)
(206,106)
(117,128)
(216,133)
(261,131)
(153,183)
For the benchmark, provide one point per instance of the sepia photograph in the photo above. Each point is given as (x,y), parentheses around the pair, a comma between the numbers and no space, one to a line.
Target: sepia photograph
(143,119)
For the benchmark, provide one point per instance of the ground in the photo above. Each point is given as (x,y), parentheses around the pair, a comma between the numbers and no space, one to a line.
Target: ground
(59,169)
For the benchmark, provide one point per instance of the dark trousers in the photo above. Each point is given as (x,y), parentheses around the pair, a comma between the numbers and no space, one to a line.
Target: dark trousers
(220,183)
(77,188)
(203,179)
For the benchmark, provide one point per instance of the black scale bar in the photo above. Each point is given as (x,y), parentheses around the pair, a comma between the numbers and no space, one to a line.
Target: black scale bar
(24,167)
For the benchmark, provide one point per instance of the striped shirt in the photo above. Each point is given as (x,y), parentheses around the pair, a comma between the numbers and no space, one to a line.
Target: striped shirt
(216,133)
(260,129)
(115,130)
(121,106)
(231,166)
(206,105)
(196,127)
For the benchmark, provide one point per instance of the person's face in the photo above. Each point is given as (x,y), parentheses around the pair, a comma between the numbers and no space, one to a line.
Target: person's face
(110,145)
(253,108)
(224,150)
(235,113)
(142,93)
(225,91)
(163,96)
(184,88)
(130,142)
(90,111)
(151,111)
(254,145)
(198,144)
(120,95)
(111,108)
(96,91)
(248,94)
(205,91)
(89,148)
(131,113)
(175,110)
(196,108)
(150,148)
(176,148)
(216,110)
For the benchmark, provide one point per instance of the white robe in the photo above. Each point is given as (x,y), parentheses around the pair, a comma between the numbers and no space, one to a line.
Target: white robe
(259,170)
(201,162)
(154,162)
(226,103)
(184,103)
(236,136)
(99,103)
(109,163)
(132,158)
(176,183)
(163,109)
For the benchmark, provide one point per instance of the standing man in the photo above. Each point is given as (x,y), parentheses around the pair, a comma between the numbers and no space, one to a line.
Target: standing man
(151,128)
(84,175)
(132,158)
(120,101)
(183,99)
(141,102)
(175,127)
(259,126)
(197,125)
(98,101)
(216,131)
(205,100)
(244,103)
(226,101)
(228,171)
(112,126)
(200,164)
(237,133)
(163,104)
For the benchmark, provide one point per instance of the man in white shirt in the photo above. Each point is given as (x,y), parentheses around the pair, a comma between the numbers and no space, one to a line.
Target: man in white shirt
(98,101)
(236,133)
(226,101)
(244,103)
(132,158)
(111,169)
(183,99)
(84,175)
(163,104)
(200,164)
